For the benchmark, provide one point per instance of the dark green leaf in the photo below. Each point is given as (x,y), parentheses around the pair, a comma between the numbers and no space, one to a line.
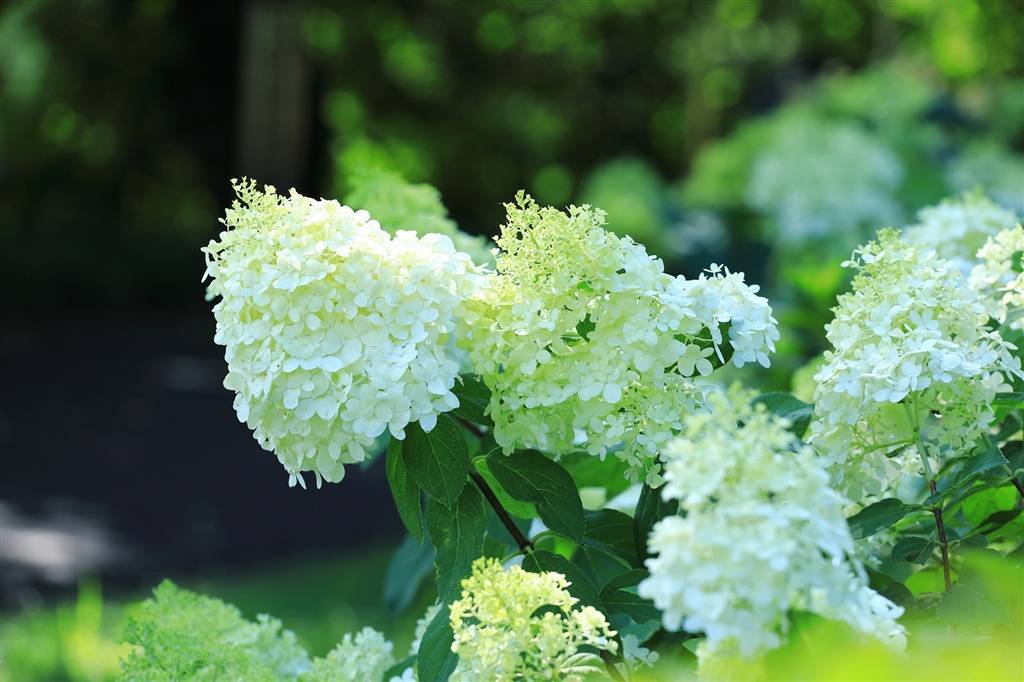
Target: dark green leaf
(985,460)
(997,520)
(789,407)
(409,565)
(628,579)
(650,509)
(913,549)
(580,586)
(877,517)
(1013,401)
(1017,261)
(610,531)
(531,477)
(897,593)
(458,537)
(618,596)
(438,461)
(518,508)
(404,490)
(435,661)
(473,397)
(634,606)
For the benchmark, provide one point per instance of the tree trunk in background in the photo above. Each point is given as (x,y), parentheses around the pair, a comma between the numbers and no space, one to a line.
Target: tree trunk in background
(275,81)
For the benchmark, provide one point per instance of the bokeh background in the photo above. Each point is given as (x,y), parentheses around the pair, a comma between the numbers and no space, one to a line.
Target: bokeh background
(769,136)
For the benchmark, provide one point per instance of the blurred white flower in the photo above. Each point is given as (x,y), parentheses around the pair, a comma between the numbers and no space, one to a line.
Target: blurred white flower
(334,331)
(956,228)
(820,179)
(365,656)
(763,534)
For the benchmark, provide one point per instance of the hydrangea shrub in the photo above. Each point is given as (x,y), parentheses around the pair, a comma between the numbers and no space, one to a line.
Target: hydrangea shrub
(502,394)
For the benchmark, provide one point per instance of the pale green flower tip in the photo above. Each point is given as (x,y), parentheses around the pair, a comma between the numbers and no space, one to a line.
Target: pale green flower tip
(586,343)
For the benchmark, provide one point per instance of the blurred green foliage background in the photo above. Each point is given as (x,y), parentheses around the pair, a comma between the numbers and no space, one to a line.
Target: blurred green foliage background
(767,135)
(121,121)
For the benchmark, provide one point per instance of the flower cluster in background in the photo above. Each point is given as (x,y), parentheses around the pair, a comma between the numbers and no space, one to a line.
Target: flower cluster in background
(956,228)
(334,331)
(911,361)
(762,534)
(816,180)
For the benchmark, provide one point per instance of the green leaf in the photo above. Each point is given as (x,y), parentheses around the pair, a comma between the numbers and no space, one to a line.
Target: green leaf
(409,565)
(610,531)
(987,459)
(1017,261)
(966,604)
(458,537)
(877,517)
(404,490)
(650,509)
(529,476)
(628,579)
(1013,401)
(593,472)
(913,549)
(517,508)
(580,586)
(788,407)
(438,461)
(474,396)
(435,661)
(633,605)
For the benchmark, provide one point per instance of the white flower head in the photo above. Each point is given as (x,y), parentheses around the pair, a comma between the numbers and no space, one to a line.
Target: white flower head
(999,276)
(365,656)
(818,179)
(334,331)
(763,535)
(956,228)
(911,354)
(587,344)
(503,633)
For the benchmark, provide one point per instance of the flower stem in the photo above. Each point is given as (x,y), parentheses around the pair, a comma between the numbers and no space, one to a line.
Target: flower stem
(524,543)
(940,526)
(943,543)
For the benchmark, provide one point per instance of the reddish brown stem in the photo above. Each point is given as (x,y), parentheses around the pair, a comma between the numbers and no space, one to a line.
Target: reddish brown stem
(943,542)
(524,543)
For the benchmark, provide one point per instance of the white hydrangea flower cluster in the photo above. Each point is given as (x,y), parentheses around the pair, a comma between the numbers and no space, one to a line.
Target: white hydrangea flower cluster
(587,344)
(819,179)
(334,331)
(956,228)
(365,656)
(1000,276)
(911,362)
(500,637)
(763,534)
